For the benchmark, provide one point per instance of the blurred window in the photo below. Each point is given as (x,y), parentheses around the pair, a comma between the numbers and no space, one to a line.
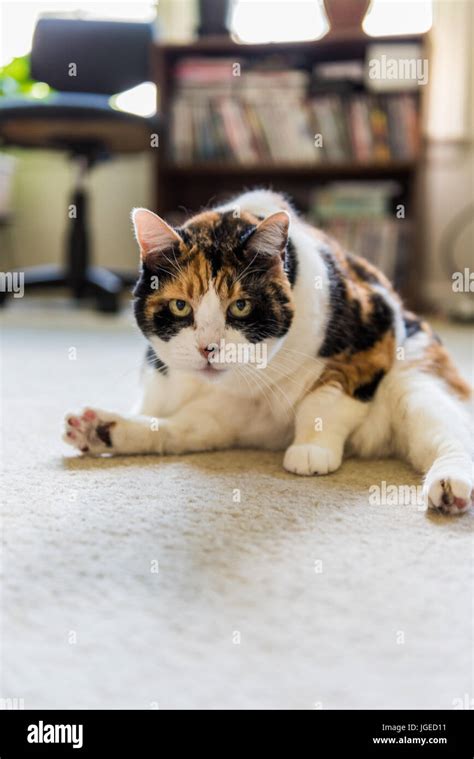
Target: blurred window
(389,17)
(277,20)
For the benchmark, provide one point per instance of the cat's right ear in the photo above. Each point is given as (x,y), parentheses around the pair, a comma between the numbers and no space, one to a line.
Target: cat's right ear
(153,234)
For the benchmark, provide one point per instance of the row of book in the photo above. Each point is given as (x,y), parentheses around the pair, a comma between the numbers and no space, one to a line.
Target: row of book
(268,117)
(363,218)
(366,127)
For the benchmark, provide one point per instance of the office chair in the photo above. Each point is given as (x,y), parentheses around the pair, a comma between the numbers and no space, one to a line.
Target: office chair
(86,62)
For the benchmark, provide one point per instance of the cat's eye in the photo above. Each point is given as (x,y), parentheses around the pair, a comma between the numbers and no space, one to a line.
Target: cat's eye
(240,308)
(179,307)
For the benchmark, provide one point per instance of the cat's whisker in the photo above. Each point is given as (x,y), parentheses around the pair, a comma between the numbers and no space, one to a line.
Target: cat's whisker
(180,269)
(295,365)
(251,271)
(167,271)
(273,400)
(241,374)
(289,364)
(307,356)
(280,371)
(175,264)
(243,272)
(272,389)
(258,386)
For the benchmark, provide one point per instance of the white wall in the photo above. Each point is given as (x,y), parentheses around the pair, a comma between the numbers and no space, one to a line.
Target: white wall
(448,190)
(448,183)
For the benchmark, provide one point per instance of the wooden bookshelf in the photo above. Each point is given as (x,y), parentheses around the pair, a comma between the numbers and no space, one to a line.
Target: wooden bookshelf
(186,187)
(273,170)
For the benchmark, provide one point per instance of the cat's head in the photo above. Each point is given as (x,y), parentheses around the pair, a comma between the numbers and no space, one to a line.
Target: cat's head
(213,293)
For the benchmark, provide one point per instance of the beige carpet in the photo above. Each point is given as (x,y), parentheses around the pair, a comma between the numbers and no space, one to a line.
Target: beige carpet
(303,595)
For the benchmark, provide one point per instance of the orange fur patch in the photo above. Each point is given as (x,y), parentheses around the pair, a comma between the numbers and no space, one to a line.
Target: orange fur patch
(350,371)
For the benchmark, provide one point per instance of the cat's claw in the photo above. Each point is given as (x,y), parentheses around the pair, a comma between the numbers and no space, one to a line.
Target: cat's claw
(450,495)
(90,431)
(308,459)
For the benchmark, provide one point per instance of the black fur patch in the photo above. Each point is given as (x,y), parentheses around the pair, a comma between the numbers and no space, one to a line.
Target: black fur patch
(361,271)
(291,263)
(166,325)
(153,360)
(367,391)
(347,330)
(151,278)
(271,315)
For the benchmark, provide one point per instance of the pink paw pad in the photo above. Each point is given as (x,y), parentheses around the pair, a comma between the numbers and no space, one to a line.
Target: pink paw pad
(89,415)
(460,503)
(74,421)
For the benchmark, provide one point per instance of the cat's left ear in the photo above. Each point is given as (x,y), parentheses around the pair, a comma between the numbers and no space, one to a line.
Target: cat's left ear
(153,234)
(270,238)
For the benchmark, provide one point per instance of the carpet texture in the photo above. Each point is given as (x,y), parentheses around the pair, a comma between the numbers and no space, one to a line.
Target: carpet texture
(144,583)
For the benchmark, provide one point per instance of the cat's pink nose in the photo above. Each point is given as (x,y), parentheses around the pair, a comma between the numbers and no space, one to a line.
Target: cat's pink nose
(206,351)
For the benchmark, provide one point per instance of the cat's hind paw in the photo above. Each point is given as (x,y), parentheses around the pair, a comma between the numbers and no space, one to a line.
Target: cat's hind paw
(91,431)
(448,495)
(308,459)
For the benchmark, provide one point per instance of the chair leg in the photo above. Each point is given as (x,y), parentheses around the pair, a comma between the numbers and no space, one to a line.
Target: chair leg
(77,275)
(106,286)
(44,276)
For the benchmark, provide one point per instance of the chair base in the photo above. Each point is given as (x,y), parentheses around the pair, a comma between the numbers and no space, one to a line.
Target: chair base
(77,273)
(103,285)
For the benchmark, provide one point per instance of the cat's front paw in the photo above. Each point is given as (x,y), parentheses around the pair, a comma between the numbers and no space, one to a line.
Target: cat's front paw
(448,495)
(91,431)
(308,459)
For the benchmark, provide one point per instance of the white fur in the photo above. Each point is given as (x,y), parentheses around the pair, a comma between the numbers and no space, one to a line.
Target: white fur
(413,415)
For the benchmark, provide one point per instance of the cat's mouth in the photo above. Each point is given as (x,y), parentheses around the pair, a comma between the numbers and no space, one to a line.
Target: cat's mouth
(210,370)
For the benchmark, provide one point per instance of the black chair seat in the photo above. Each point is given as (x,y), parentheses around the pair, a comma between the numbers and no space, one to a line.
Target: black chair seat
(65,118)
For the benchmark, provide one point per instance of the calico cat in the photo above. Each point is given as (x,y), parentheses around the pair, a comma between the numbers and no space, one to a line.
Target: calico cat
(341,367)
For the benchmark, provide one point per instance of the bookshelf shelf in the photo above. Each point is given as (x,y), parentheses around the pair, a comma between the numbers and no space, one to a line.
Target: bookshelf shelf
(372,169)
(324,46)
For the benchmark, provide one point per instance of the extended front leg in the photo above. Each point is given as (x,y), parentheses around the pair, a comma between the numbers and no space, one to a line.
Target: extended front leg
(98,432)
(324,420)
